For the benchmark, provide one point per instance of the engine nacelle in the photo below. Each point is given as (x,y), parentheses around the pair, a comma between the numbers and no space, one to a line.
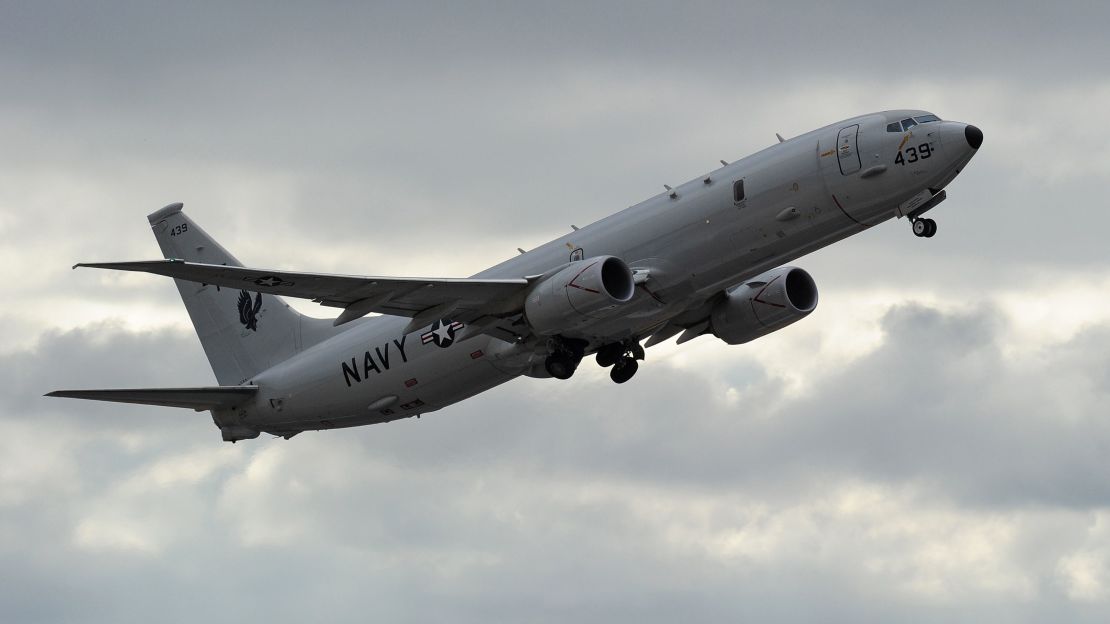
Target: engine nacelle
(764,304)
(582,292)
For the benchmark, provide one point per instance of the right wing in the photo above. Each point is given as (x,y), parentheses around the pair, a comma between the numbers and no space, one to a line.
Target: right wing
(199,399)
(422,299)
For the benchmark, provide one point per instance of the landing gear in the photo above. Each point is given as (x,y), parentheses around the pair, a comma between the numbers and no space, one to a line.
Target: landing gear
(924,227)
(622,357)
(560,366)
(610,354)
(623,370)
(565,357)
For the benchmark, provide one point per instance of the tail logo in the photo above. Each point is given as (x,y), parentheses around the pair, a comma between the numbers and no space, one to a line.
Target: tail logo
(248,313)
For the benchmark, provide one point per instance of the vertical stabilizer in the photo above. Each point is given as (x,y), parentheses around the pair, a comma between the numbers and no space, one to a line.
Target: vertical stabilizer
(243,332)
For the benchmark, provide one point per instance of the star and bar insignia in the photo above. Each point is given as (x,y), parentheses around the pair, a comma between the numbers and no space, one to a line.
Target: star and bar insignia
(442,333)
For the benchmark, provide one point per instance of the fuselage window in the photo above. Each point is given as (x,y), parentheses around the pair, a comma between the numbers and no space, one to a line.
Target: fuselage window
(908,123)
(894,127)
(738,191)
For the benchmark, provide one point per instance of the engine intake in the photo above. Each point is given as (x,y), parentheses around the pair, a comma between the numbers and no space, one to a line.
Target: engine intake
(765,304)
(582,292)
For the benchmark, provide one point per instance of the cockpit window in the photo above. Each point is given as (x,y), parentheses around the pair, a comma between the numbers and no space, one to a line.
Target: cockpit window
(907,124)
(894,127)
(926,119)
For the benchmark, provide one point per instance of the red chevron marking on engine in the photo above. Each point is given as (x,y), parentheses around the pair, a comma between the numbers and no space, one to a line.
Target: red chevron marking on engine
(571,282)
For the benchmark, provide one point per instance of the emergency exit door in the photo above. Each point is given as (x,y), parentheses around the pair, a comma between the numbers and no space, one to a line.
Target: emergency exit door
(847,153)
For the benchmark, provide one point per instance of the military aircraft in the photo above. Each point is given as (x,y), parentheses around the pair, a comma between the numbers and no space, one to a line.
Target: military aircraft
(704,257)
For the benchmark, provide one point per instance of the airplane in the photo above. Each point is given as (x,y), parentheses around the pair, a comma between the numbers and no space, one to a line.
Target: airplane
(703,257)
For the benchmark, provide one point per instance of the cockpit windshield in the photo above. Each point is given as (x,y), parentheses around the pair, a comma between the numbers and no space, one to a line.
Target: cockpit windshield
(909,122)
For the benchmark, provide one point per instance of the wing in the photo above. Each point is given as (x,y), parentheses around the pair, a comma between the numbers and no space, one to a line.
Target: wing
(199,399)
(422,299)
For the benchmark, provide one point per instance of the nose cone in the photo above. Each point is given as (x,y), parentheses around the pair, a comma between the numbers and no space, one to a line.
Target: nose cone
(974,136)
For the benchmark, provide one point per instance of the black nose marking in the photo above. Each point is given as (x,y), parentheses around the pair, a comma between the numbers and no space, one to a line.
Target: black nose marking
(974,136)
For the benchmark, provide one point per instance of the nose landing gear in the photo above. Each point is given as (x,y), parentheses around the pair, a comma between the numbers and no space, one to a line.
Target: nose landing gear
(622,357)
(924,227)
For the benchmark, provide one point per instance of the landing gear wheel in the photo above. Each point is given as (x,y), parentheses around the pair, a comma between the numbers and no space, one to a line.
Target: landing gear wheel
(560,366)
(636,351)
(610,354)
(924,228)
(624,369)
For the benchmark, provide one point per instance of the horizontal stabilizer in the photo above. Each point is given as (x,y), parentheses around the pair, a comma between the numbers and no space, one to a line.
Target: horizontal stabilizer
(199,399)
(400,296)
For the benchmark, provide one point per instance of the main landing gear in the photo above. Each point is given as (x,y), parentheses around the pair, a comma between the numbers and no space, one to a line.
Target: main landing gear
(924,227)
(622,357)
(565,356)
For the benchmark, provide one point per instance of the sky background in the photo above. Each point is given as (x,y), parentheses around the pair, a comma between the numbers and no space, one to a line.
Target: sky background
(931,445)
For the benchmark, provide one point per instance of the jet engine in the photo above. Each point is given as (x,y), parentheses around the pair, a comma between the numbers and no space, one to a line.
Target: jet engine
(764,304)
(579,294)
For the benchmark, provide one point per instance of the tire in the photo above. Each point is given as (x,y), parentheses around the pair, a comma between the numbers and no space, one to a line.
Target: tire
(624,370)
(920,227)
(609,355)
(559,367)
(930,228)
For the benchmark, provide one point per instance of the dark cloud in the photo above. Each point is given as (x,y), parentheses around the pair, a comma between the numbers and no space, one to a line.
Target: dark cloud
(938,477)
(576,506)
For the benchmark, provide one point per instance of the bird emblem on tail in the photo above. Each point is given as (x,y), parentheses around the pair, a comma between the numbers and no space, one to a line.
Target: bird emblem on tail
(248,313)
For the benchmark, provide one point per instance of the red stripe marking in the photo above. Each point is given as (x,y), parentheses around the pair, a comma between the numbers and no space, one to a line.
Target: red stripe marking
(760,294)
(571,282)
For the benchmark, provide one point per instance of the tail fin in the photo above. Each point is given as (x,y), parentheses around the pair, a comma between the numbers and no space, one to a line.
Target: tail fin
(242,332)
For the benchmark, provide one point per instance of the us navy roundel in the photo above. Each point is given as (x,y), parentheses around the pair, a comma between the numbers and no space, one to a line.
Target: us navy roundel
(442,333)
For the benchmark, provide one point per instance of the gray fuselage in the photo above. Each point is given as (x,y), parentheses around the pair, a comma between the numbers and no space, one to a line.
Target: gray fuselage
(696,240)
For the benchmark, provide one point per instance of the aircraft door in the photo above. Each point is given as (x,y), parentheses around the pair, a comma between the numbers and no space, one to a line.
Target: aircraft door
(840,162)
(847,152)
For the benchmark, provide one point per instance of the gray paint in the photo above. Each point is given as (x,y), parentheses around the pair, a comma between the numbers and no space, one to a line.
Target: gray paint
(695,237)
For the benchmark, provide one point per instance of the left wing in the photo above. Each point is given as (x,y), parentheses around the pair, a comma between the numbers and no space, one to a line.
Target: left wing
(422,299)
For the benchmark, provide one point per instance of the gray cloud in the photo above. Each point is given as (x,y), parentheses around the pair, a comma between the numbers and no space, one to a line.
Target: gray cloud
(937,477)
(506,507)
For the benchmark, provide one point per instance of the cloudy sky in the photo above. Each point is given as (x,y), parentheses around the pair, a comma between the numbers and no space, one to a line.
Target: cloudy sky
(930,445)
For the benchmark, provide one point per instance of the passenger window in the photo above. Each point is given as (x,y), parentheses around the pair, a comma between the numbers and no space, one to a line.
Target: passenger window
(908,123)
(738,191)
(894,127)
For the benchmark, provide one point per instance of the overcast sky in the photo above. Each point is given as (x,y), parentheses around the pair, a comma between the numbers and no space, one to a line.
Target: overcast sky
(931,445)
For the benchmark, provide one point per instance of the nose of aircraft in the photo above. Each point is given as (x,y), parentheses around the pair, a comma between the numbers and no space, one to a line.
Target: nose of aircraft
(974,136)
